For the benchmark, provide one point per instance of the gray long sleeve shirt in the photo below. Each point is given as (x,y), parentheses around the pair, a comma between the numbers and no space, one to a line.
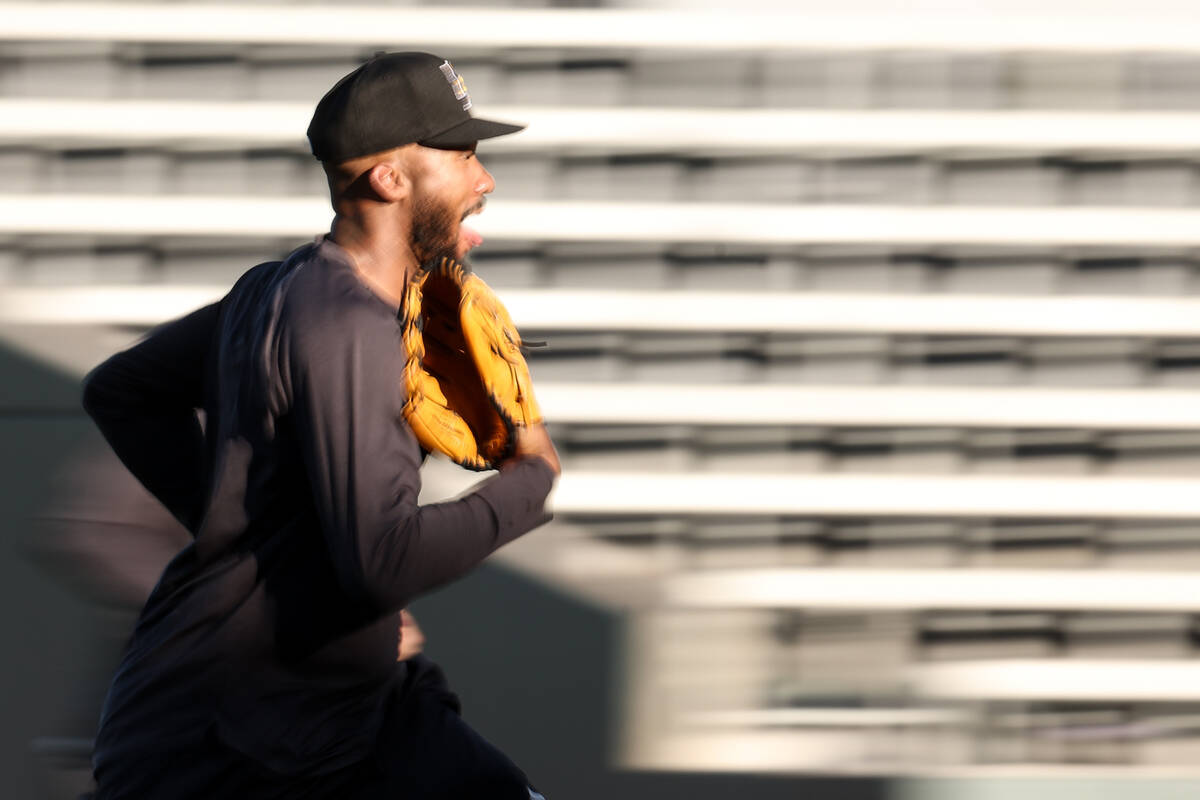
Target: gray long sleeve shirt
(276,630)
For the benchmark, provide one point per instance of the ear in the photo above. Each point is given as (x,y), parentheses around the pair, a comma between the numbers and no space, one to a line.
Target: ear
(388,181)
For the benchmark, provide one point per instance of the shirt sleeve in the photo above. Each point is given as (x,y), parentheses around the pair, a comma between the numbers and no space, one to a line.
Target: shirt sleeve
(341,365)
(144,401)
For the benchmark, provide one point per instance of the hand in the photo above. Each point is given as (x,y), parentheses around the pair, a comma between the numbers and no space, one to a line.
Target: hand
(533,440)
(412,641)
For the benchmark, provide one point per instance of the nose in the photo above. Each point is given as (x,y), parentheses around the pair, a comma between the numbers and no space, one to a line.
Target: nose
(485,183)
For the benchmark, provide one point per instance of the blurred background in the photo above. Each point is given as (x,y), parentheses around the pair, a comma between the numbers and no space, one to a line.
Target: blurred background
(873,359)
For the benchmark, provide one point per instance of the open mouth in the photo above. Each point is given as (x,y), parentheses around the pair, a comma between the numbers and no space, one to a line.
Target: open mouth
(475,209)
(468,237)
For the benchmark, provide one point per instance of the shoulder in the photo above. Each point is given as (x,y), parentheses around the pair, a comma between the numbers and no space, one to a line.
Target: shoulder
(322,289)
(325,312)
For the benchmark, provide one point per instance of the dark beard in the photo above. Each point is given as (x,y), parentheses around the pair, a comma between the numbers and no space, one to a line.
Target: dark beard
(434,234)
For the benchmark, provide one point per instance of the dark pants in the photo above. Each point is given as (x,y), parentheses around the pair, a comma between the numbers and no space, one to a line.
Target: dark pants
(428,751)
(425,751)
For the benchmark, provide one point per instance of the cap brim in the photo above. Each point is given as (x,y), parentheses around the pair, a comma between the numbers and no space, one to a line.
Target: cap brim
(467,133)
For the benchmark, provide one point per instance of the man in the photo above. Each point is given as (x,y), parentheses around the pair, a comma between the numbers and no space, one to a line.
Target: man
(264,662)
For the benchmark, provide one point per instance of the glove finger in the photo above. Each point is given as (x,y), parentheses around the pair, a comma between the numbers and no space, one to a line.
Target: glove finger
(459,383)
(492,338)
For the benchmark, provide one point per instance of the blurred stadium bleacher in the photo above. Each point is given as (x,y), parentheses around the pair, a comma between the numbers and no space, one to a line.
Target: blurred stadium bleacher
(874,344)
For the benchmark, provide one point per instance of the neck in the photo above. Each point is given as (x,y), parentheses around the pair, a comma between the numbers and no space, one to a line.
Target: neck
(382,258)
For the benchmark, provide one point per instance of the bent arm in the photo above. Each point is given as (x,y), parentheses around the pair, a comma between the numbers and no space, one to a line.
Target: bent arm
(362,462)
(144,401)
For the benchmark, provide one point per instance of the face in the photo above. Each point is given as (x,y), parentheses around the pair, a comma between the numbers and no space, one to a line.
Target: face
(451,186)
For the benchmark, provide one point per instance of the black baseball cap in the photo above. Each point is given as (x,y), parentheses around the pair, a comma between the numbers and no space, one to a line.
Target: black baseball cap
(397,99)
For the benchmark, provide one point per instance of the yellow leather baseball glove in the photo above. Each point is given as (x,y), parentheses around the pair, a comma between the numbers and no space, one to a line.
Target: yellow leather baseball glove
(467,382)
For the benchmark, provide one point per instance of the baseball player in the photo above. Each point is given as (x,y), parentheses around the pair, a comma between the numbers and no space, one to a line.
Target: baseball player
(264,664)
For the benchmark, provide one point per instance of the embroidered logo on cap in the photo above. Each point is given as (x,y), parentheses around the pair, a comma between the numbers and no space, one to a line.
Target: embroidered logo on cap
(457,84)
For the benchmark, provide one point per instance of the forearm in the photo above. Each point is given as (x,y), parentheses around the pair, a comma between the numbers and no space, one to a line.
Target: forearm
(144,401)
(441,542)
